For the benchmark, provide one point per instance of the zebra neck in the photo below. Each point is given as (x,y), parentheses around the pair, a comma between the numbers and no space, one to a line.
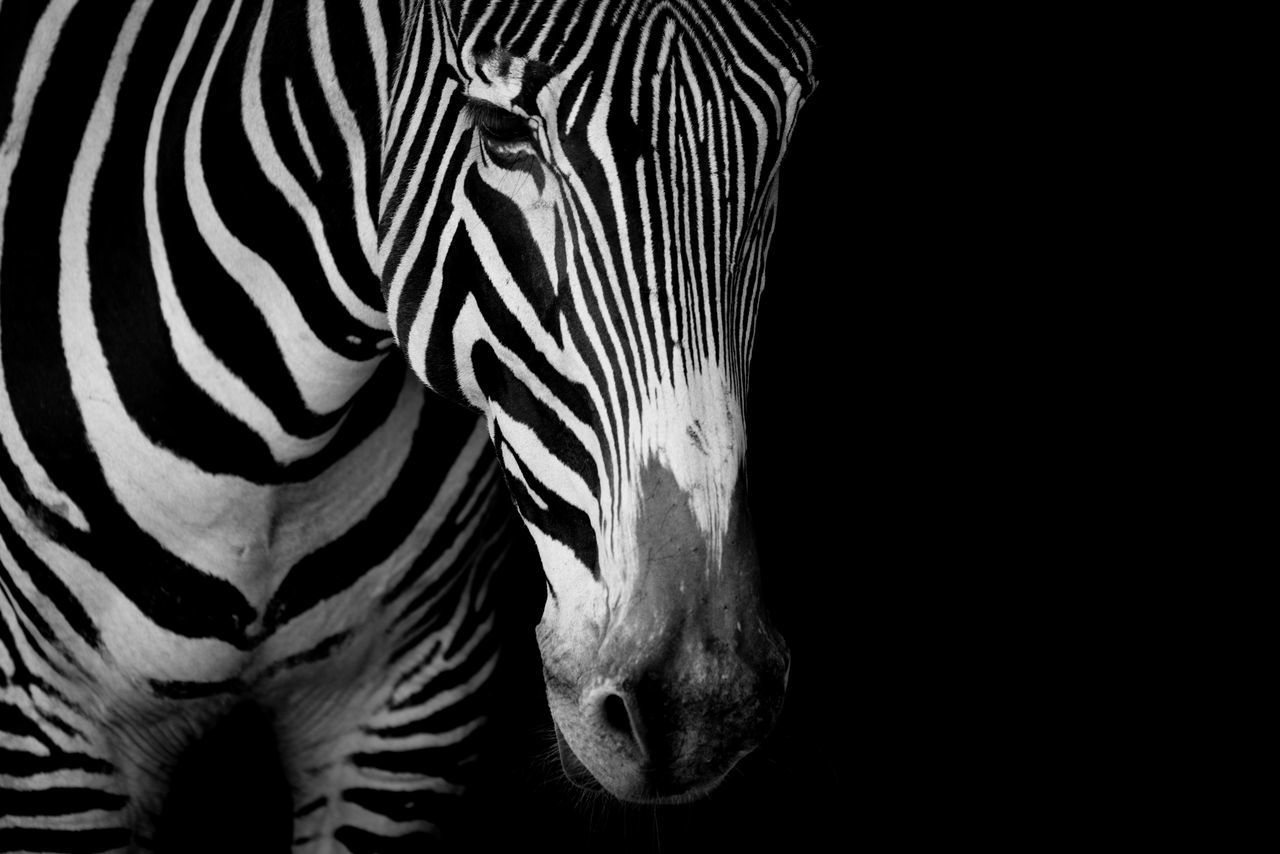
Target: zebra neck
(204,247)
(281,153)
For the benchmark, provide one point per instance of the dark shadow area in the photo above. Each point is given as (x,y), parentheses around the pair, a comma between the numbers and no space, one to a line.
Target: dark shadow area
(229,792)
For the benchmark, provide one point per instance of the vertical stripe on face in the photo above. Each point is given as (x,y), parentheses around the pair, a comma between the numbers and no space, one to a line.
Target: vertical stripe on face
(588,270)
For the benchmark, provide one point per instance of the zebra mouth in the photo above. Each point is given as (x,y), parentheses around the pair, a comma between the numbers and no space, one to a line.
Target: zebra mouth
(577,774)
(574,770)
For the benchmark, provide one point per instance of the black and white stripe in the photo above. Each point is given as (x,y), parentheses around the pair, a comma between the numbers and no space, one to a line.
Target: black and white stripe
(218,482)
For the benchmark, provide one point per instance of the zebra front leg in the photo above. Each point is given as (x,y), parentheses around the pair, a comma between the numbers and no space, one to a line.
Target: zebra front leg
(70,779)
(381,767)
(394,779)
(60,789)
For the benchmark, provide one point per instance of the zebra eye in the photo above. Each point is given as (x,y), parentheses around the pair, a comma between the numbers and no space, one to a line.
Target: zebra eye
(498,126)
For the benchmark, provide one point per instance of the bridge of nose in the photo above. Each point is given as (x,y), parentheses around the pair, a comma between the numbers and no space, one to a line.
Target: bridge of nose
(693,609)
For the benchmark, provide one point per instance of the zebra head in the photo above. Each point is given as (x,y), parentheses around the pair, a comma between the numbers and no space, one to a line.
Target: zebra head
(577,208)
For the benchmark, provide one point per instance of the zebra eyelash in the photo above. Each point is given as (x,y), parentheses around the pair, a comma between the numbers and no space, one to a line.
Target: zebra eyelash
(498,126)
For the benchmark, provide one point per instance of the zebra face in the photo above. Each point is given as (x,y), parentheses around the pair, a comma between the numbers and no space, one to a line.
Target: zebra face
(586,273)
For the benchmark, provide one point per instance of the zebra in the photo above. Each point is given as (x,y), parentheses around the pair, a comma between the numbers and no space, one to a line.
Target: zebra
(289,290)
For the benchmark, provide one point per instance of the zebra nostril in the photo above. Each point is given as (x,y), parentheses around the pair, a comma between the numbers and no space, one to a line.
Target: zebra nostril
(619,715)
(616,716)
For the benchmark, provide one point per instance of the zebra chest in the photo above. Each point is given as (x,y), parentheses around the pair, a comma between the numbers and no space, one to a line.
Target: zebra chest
(237,531)
(257,542)
(233,563)
(251,535)
(242,532)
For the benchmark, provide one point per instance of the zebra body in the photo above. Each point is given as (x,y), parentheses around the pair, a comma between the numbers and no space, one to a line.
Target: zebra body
(220,220)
